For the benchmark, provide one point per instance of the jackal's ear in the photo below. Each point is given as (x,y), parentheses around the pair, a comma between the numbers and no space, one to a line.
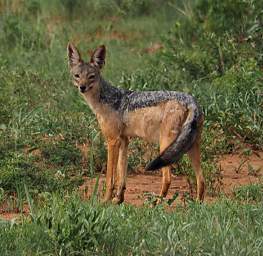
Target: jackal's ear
(74,57)
(98,56)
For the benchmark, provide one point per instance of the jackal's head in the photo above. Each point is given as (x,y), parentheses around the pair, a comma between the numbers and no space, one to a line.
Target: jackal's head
(86,75)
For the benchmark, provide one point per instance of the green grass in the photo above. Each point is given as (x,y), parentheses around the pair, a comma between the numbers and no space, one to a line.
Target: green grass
(249,193)
(64,227)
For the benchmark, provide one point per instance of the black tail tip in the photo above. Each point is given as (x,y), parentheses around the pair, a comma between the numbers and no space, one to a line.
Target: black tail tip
(155,164)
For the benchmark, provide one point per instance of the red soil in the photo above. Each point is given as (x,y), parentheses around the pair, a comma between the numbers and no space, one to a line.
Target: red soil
(7,213)
(235,170)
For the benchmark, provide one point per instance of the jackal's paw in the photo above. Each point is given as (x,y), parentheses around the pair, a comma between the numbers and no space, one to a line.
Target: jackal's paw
(117,200)
(199,200)
(156,202)
(106,200)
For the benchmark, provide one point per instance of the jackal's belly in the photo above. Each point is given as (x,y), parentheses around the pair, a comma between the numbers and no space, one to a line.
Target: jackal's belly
(144,123)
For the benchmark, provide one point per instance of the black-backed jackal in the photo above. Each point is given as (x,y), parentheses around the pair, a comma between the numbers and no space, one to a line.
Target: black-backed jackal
(171,118)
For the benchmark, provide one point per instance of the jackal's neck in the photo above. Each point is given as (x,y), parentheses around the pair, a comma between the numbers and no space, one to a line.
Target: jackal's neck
(105,94)
(111,95)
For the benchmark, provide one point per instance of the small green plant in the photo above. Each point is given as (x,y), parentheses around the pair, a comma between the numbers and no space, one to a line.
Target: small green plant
(151,199)
(247,151)
(213,177)
(249,193)
(75,228)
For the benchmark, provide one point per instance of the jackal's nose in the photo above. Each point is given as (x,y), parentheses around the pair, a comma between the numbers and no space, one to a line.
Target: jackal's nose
(82,88)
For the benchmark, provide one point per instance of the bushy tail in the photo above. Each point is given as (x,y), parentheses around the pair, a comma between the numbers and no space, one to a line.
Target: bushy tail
(181,145)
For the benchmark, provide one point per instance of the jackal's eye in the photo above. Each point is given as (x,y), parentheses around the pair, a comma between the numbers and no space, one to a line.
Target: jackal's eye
(91,77)
(76,76)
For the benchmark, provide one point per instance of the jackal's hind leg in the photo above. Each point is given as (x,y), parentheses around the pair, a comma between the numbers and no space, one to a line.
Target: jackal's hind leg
(195,157)
(166,181)
(113,152)
(121,172)
(166,171)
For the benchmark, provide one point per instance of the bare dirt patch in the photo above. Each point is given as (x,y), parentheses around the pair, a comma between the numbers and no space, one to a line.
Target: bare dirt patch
(235,170)
(239,170)
(7,213)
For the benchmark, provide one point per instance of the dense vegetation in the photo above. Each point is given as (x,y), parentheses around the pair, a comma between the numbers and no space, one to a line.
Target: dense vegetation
(210,48)
(72,227)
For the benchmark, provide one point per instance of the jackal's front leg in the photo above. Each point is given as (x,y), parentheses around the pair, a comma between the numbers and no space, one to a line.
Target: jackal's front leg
(121,172)
(113,153)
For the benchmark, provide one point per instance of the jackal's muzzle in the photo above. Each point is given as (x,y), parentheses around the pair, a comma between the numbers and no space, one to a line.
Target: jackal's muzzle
(83,88)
